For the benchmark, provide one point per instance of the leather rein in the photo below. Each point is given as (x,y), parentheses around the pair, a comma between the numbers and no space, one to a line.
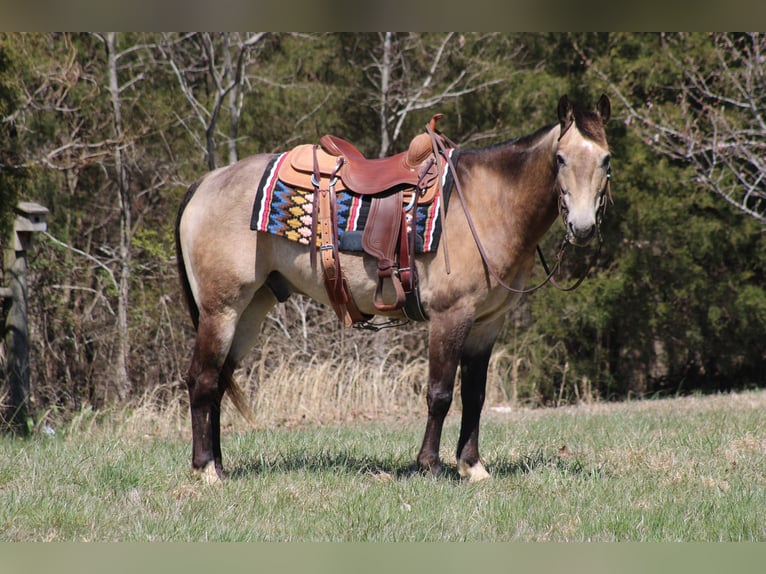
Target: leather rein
(438,143)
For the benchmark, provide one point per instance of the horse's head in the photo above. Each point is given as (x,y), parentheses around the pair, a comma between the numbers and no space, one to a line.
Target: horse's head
(583,172)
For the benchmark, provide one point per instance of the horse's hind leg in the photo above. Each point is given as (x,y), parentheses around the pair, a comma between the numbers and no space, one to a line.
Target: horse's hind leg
(211,348)
(222,341)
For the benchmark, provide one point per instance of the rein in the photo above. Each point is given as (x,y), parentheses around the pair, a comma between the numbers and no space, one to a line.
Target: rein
(437,141)
(559,256)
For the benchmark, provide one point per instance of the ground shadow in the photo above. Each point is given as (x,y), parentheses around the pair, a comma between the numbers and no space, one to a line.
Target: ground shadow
(322,462)
(341,462)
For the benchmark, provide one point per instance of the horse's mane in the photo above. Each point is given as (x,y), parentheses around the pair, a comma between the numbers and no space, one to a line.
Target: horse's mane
(588,123)
(527,140)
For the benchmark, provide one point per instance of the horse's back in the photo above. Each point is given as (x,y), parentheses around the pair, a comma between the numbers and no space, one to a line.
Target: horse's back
(232,187)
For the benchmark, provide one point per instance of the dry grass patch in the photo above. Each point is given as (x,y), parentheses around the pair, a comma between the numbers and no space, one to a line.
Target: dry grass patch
(329,390)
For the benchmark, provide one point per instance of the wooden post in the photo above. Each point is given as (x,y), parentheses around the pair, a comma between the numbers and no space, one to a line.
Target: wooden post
(30,217)
(17,343)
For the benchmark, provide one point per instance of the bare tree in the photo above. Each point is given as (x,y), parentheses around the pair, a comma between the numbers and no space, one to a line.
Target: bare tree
(410,72)
(715,119)
(220,59)
(97,150)
(60,93)
(124,201)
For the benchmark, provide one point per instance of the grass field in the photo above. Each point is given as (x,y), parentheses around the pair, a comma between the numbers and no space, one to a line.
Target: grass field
(686,469)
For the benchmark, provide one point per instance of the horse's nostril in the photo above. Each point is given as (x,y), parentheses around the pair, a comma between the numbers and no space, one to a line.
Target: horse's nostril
(580,235)
(585,233)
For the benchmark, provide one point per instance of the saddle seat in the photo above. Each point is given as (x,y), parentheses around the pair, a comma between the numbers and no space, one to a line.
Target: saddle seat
(408,170)
(372,176)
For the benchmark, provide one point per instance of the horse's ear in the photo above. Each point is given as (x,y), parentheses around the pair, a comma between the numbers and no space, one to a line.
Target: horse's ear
(604,108)
(566,114)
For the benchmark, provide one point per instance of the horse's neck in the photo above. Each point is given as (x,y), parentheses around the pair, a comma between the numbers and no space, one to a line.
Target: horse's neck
(518,180)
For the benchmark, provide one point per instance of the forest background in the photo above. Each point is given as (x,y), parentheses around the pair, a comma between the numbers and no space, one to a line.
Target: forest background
(108,130)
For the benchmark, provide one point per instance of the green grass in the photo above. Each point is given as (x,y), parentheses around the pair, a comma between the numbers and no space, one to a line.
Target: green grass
(690,469)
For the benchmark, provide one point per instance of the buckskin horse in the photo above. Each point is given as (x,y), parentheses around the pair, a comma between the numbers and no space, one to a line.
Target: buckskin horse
(506,199)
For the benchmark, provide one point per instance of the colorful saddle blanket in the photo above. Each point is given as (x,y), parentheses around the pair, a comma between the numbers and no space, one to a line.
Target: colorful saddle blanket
(287,211)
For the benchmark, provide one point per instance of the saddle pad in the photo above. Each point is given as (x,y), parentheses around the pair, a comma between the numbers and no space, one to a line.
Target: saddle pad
(286,211)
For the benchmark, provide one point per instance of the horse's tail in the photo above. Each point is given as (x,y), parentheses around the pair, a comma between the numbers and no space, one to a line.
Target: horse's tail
(226,376)
(229,385)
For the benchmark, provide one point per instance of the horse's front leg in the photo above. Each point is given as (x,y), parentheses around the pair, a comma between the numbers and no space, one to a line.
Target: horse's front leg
(474,363)
(445,345)
(473,383)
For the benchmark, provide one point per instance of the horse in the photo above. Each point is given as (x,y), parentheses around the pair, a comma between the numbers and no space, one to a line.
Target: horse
(510,195)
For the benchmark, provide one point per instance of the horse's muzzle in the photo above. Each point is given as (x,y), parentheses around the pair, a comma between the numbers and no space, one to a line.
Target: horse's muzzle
(580,236)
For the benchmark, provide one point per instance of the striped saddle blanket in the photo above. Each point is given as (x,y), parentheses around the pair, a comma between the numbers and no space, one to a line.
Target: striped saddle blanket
(286,211)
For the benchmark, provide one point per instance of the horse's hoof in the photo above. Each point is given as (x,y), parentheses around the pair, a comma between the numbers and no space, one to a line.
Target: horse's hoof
(209,475)
(474,473)
(434,470)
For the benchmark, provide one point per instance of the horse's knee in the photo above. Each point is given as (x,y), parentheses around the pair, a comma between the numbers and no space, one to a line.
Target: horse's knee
(439,401)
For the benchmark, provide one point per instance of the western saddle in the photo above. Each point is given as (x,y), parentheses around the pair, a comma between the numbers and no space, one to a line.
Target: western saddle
(396,184)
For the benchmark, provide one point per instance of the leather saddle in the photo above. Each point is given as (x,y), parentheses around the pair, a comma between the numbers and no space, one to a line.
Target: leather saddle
(396,184)
(412,169)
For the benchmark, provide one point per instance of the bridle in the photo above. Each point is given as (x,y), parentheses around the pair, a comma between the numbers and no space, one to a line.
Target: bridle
(604,194)
(439,143)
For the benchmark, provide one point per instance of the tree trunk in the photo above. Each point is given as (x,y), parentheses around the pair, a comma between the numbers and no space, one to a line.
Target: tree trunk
(122,382)
(385,87)
(233,104)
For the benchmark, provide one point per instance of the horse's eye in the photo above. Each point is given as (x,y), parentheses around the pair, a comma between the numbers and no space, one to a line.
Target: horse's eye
(560,161)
